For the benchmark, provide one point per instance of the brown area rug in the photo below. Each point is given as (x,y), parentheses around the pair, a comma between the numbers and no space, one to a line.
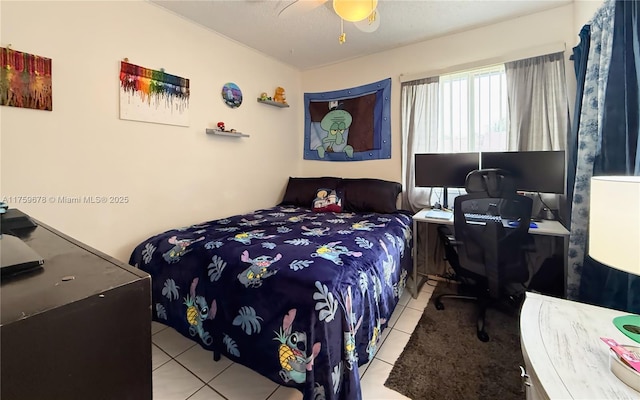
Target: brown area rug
(445,360)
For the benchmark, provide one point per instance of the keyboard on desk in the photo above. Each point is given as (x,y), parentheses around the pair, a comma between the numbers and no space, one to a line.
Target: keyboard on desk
(439,214)
(470,217)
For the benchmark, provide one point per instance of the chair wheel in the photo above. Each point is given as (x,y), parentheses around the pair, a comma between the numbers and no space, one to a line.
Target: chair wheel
(482,335)
(439,305)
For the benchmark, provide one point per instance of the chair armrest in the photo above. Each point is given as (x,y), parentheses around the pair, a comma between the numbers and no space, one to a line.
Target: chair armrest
(452,240)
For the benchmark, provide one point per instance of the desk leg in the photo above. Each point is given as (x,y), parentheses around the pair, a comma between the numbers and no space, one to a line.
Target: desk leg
(418,277)
(425,261)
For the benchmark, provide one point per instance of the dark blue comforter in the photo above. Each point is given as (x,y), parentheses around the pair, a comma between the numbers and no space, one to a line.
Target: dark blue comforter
(299,297)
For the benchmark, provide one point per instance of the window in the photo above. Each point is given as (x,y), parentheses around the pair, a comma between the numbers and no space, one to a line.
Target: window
(473,111)
(518,106)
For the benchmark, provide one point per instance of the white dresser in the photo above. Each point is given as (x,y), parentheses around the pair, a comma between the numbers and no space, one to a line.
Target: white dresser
(563,353)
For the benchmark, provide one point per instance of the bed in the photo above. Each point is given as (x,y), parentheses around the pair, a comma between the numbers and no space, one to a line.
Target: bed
(299,292)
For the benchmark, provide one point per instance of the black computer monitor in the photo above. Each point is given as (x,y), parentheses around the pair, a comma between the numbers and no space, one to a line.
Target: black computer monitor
(533,171)
(444,170)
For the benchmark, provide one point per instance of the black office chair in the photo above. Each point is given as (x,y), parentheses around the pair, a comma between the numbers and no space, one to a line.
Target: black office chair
(487,249)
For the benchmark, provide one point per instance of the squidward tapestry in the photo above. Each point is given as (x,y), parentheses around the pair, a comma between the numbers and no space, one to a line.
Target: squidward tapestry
(350,124)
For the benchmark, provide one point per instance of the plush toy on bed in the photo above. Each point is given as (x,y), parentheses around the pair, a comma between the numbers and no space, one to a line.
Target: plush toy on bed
(327,200)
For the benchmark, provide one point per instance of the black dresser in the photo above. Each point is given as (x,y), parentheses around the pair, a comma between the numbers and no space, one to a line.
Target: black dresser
(77,328)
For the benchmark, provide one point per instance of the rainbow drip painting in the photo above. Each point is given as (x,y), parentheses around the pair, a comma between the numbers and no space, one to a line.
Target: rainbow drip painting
(153,96)
(25,80)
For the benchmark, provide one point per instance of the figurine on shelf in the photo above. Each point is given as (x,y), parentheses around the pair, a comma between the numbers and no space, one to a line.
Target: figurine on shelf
(263,96)
(221,126)
(280,96)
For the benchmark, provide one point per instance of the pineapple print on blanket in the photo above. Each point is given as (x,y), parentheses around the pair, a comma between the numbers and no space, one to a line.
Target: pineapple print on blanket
(372,346)
(197,312)
(291,352)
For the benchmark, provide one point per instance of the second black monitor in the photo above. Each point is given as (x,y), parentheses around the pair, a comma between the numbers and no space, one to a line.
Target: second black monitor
(534,171)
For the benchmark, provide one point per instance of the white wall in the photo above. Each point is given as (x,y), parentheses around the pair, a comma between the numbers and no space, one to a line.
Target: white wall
(173,176)
(498,40)
(583,12)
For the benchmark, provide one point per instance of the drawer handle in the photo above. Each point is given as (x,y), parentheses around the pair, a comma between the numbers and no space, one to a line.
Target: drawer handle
(523,372)
(524,376)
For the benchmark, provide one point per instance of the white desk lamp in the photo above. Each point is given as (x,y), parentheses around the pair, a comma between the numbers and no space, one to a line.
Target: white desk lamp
(614,232)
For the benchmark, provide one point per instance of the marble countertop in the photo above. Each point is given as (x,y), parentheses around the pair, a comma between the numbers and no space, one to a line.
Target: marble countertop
(561,344)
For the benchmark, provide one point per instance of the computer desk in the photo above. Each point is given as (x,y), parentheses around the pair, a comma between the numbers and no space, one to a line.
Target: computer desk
(545,228)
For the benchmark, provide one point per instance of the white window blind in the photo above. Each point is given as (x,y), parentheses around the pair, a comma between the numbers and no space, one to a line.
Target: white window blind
(473,111)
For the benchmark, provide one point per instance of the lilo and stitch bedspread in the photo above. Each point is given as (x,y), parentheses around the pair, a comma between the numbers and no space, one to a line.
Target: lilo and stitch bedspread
(299,297)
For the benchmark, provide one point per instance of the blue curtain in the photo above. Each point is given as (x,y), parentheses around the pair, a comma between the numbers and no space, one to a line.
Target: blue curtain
(619,139)
(580,57)
(613,151)
(589,131)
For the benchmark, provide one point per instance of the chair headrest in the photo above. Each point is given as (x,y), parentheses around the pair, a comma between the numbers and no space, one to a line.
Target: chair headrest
(495,182)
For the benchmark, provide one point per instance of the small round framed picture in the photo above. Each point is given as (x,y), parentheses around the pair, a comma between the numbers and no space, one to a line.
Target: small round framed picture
(232,95)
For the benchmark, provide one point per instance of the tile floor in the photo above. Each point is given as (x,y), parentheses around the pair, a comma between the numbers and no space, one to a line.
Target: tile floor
(184,370)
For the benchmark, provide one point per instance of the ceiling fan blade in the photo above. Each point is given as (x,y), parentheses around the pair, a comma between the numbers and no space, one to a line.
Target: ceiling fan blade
(299,7)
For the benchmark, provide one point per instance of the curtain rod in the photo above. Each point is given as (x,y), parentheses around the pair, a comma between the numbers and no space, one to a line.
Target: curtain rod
(513,56)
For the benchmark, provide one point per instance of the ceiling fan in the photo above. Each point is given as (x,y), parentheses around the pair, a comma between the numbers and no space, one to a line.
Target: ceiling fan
(299,7)
(363,13)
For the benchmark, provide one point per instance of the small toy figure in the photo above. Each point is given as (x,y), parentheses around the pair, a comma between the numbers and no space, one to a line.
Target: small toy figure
(221,125)
(263,96)
(280,96)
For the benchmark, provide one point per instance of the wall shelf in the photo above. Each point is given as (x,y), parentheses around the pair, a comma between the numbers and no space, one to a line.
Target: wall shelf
(225,133)
(273,103)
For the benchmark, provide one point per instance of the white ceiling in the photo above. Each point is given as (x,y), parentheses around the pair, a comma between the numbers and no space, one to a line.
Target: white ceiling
(306,37)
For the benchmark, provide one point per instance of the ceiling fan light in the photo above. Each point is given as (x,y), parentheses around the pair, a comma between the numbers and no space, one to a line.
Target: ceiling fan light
(369,24)
(354,10)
